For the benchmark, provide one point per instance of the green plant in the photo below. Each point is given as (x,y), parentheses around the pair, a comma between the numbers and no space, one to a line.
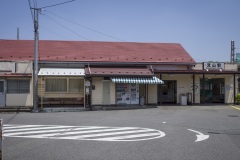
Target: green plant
(238,98)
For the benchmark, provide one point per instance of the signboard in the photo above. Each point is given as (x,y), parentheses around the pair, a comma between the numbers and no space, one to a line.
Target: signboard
(214,65)
(87,83)
(237,58)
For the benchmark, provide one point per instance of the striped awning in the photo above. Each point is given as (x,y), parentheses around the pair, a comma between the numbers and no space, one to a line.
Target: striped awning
(145,80)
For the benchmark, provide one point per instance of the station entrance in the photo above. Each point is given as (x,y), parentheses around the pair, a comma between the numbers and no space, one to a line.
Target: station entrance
(212,90)
(167,92)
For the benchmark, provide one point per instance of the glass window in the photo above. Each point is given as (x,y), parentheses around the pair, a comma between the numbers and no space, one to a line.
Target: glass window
(76,85)
(56,85)
(1,86)
(18,86)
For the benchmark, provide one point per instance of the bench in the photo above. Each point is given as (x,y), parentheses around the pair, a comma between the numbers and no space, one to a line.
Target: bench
(61,101)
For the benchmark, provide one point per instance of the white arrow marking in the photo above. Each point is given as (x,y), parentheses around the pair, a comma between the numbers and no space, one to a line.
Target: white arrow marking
(200,136)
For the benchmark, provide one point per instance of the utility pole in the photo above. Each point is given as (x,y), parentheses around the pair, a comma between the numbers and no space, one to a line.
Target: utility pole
(35,74)
(36,38)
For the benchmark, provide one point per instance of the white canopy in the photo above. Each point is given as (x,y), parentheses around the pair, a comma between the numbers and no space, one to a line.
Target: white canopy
(61,72)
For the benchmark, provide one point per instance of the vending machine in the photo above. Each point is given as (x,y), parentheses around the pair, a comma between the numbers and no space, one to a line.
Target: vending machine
(127,93)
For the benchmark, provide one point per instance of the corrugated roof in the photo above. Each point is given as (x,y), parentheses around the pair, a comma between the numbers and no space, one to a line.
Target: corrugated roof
(92,51)
(61,72)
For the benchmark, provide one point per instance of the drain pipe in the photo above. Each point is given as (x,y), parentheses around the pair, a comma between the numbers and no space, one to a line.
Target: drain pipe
(89,69)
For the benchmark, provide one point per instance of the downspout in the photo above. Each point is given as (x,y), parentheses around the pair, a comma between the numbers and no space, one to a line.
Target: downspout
(152,69)
(89,69)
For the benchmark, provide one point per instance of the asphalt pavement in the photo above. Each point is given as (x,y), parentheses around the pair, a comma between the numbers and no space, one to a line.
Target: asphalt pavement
(167,132)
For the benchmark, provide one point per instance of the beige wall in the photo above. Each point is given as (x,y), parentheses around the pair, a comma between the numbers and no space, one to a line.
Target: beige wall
(17,67)
(168,67)
(152,93)
(16,100)
(228,67)
(112,93)
(97,93)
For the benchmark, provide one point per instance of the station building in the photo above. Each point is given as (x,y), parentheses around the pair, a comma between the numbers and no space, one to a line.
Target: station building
(91,73)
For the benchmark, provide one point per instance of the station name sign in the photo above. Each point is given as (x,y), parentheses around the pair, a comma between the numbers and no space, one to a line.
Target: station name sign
(213,65)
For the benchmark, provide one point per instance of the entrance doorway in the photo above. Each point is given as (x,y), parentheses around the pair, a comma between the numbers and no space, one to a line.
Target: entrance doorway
(212,90)
(167,92)
(106,92)
(2,93)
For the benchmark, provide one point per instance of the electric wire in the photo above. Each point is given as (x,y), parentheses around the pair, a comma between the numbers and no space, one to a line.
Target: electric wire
(86,27)
(66,27)
(30,9)
(61,35)
(57,4)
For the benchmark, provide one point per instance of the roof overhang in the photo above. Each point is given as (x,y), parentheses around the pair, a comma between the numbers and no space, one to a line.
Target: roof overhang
(123,72)
(196,72)
(61,72)
(15,75)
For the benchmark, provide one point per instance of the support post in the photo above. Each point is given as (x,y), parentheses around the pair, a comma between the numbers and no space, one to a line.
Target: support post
(35,74)
(203,88)
(160,87)
(193,89)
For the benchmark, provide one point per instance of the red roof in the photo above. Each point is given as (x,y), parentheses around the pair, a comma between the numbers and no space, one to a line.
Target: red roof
(99,71)
(92,51)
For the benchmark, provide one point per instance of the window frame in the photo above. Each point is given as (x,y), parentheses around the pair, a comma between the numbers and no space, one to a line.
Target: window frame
(18,87)
(68,81)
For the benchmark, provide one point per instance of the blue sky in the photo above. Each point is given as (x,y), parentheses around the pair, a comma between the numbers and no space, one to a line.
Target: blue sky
(204,28)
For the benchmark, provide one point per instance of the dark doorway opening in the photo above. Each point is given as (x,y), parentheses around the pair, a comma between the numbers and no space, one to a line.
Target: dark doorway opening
(212,90)
(167,92)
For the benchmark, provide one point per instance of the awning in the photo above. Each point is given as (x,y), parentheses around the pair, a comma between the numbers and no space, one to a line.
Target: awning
(118,71)
(147,80)
(61,72)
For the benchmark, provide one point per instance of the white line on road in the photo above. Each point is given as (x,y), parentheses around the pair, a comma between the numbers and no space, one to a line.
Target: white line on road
(200,136)
(97,133)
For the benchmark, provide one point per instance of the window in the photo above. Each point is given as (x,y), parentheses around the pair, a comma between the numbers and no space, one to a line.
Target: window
(18,86)
(56,85)
(1,86)
(76,85)
(68,85)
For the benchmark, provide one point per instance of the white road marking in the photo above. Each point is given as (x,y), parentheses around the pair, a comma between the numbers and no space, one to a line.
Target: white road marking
(118,138)
(97,133)
(200,136)
(50,130)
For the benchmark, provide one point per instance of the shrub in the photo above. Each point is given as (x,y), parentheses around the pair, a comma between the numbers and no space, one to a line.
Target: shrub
(238,98)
